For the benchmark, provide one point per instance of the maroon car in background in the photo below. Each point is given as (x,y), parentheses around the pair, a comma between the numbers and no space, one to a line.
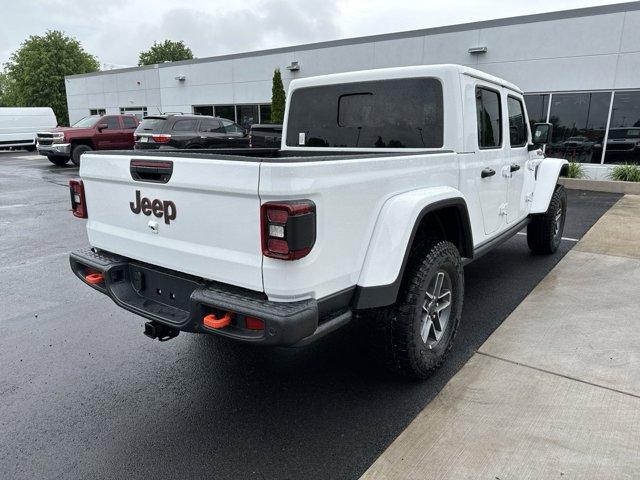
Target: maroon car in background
(95,132)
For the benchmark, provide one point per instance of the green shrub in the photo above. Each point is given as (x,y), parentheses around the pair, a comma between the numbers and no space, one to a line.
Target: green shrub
(575,170)
(625,173)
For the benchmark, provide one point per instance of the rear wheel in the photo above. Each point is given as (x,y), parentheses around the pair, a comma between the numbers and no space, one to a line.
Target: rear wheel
(415,335)
(59,161)
(544,232)
(77,151)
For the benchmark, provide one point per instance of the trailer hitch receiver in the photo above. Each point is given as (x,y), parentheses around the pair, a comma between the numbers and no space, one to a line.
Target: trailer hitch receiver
(161,332)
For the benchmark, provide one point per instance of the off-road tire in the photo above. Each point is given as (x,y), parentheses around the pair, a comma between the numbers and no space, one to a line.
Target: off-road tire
(59,161)
(396,335)
(77,151)
(544,234)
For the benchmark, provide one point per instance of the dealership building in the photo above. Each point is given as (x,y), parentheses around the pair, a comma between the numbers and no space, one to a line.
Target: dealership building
(580,70)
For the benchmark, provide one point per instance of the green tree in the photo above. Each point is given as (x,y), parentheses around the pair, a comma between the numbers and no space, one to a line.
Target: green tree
(167,51)
(5,101)
(34,75)
(277,98)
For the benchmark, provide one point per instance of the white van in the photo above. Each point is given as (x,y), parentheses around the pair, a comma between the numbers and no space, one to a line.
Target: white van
(18,125)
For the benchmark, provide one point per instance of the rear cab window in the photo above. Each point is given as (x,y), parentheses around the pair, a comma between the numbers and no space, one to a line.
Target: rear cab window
(398,113)
(489,113)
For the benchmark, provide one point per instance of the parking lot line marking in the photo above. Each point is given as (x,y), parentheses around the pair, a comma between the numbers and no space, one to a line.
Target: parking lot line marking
(568,239)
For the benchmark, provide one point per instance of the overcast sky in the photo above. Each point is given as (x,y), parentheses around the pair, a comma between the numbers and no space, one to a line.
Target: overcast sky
(117,30)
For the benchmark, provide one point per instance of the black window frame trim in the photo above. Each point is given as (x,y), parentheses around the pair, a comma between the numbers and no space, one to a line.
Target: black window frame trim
(525,119)
(494,90)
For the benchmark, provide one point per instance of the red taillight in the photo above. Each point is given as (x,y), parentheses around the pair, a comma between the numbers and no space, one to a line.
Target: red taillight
(78,201)
(162,138)
(288,229)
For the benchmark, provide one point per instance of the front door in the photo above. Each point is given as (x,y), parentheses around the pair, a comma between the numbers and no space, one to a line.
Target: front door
(129,125)
(108,133)
(491,158)
(236,135)
(519,175)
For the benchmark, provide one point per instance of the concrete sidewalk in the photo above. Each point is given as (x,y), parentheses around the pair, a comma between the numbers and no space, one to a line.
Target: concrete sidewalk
(555,391)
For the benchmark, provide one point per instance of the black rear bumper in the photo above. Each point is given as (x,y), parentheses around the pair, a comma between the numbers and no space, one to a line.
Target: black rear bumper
(181,301)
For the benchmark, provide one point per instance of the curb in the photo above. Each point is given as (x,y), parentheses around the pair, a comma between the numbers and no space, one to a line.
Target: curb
(632,188)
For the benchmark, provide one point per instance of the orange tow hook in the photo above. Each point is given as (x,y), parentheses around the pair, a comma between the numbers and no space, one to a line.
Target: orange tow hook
(212,321)
(94,278)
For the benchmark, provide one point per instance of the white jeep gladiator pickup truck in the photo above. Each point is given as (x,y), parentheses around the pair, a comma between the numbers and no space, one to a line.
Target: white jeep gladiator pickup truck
(386,184)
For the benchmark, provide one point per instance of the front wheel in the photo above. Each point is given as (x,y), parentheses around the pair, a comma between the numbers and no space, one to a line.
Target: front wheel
(415,335)
(77,151)
(544,232)
(59,161)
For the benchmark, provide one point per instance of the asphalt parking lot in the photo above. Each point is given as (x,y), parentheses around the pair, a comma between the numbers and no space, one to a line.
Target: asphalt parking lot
(83,394)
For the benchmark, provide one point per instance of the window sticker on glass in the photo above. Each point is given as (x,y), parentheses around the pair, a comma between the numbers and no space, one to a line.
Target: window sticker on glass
(302,138)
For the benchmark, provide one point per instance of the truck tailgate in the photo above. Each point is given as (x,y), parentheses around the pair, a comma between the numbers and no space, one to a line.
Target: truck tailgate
(206,220)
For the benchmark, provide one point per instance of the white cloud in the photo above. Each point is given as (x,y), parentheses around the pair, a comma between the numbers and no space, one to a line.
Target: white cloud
(117,30)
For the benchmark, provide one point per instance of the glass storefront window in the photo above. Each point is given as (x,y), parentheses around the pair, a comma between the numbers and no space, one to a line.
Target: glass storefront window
(203,110)
(247,115)
(623,144)
(537,108)
(579,123)
(139,112)
(265,113)
(226,111)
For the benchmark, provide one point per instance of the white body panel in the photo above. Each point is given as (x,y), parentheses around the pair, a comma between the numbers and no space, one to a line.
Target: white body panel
(18,126)
(349,196)
(366,207)
(392,232)
(216,232)
(548,172)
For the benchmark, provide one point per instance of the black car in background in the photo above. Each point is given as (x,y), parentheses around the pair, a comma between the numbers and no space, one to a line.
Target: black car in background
(265,135)
(167,132)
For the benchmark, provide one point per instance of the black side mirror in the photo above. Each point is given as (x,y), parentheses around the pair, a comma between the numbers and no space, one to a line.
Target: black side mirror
(541,135)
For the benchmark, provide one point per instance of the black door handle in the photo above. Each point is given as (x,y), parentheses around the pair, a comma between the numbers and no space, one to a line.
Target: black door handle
(514,167)
(488,172)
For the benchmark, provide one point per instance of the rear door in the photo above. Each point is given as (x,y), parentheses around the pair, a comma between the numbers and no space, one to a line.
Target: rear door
(212,133)
(184,133)
(129,125)
(205,220)
(492,155)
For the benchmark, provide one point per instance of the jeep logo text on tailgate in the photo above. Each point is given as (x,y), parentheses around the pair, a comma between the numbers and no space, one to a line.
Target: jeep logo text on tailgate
(159,208)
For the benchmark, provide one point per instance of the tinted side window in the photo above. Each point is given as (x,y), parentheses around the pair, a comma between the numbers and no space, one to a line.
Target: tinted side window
(129,122)
(231,127)
(489,114)
(517,129)
(210,125)
(185,125)
(401,113)
(112,122)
